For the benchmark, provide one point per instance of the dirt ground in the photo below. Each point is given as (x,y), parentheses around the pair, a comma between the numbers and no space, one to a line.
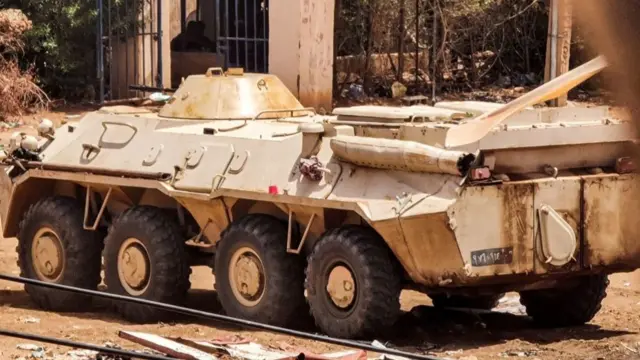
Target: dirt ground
(613,334)
(505,333)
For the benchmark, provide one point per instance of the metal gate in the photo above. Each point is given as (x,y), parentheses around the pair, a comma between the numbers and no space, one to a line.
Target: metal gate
(128,47)
(243,33)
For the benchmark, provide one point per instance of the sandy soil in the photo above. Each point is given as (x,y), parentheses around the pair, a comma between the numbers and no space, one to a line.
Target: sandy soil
(448,334)
(613,334)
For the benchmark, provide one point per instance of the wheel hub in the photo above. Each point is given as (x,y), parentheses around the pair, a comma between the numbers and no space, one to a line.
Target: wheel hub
(47,255)
(133,266)
(341,287)
(246,275)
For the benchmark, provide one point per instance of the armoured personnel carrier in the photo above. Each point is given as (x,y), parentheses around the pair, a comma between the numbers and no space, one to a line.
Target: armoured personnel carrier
(295,213)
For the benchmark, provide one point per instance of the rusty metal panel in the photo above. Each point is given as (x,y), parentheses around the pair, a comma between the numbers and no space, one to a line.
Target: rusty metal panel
(563,195)
(6,188)
(494,227)
(612,234)
(391,232)
(21,198)
(432,245)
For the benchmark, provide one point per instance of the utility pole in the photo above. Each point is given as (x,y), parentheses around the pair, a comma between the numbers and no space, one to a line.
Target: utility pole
(558,44)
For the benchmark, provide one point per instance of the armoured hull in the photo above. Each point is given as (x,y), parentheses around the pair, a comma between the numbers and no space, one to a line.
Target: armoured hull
(444,230)
(295,211)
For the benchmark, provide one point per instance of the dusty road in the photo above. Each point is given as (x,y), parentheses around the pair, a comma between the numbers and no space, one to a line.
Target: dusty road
(614,333)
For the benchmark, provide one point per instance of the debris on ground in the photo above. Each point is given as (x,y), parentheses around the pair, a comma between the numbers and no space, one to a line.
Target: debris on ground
(37,352)
(110,345)
(239,348)
(635,349)
(511,305)
(519,353)
(454,352)
(82,354)
(30,347)
(40,352)
(166,346)
(30,320)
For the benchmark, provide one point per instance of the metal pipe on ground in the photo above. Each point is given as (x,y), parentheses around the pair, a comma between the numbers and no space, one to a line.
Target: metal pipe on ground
(224,318)
(79,345)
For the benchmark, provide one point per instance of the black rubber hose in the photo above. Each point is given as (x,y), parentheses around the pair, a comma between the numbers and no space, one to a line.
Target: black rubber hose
(212,316)
(80,345)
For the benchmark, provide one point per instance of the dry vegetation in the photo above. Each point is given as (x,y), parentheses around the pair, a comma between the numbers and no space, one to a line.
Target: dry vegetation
(462,45)
(18,90)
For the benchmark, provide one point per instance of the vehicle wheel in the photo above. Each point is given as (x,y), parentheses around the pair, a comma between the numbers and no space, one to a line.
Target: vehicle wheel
(569,306)
(353,283)
(483,302)
(54,247)
(145,257)
(256,279)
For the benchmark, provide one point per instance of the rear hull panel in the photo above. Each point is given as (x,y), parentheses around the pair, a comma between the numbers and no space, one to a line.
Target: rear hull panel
(493,234)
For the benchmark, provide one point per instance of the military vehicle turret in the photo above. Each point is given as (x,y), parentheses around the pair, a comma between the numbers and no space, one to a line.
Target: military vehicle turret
(296,213)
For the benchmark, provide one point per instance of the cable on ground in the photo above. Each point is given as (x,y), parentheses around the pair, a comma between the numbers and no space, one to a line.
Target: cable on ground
(79,345)
(224,318)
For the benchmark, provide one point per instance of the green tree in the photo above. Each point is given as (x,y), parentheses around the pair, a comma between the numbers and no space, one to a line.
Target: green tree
(61,44)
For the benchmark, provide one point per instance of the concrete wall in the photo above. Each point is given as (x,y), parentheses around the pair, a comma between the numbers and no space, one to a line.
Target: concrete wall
(284,42)
(301,48)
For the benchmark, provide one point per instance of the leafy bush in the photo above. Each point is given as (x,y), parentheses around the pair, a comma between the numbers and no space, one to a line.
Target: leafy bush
(61,45)
(17,88)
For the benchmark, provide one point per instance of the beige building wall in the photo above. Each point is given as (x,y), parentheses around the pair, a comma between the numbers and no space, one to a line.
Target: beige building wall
(301,48)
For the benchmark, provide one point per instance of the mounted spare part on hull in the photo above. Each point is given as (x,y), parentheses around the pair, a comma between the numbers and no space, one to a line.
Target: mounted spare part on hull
(300,213)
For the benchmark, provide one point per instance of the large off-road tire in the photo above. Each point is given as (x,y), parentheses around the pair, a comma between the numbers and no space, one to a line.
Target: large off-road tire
(54,247)
(364,278)
(145,257)
(482,302)
(568,306)
(256,279)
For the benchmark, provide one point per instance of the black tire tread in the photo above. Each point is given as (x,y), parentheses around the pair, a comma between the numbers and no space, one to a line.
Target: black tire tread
(166,249)
(382,283)
(82,253)
(286,271)
(562,307)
